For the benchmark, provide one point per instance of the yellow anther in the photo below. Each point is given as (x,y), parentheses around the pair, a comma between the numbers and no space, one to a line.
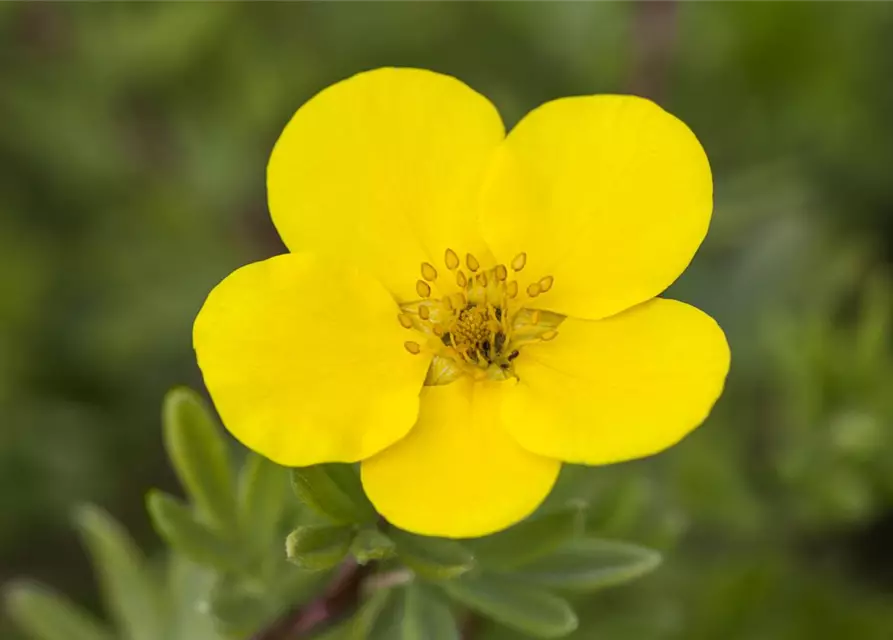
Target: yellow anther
(429,273)
(482,279)
(511,289)
(533,290)
(405,320)
(535,317)
(438,331)
(451,259)
(461,279)
(546,283)
(472,263)
(549,335)
(519,261)
(423,288)
(424,312)
(447,303)
(413,347)
(459,300)
(501,272)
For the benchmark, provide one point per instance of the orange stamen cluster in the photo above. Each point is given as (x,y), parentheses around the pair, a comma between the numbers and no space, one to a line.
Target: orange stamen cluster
(477,320)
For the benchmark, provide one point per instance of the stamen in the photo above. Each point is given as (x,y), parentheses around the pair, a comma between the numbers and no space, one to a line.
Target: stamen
(472,263)
(511,289)
(482,279)
(533,290)
(405,320)
(501,272)
(447,303)
(413,347)
(549,335)
(459,300)
(519,261)
(424,312)
(546,283)
(423,288)
(461,279)
(451,259)
(429,273)
(535,317)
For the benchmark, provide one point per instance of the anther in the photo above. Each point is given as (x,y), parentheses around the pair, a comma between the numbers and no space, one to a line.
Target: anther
(438,331)
(459,300)
(461,279)
(405,320)
(472,263)
(546,283)
(423,288)
(482,279)
(429,273)
(424,312)
(447,303)
(519,261)
(501,272)
(413,347)
(549,335)
(511,289)
(451,259)
(533,290)
(535,317)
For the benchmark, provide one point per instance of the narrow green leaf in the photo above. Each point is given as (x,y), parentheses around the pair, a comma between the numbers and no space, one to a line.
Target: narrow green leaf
(432,558)
(176,523)
(317,547)
(409,613)
(131,597)
(45,615)
(590,563)
(519,606)
(528,540)
(263,487)
(333,491)
(199,455)
(371,544)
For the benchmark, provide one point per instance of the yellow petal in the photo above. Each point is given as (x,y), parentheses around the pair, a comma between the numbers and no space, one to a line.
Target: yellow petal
(305,362)
(383,169)
(609,390)
(609,195)
(458,474)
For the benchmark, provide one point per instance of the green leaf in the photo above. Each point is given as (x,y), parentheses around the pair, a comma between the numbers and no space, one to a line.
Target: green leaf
(239,607)
(516,605)
(176,523)
(263,487)
(371,544)
(432,558)
(130,595)
(528,540)
(199,455)
(333,491)
(45,615)
(591,563)
(407,613)
(317,547)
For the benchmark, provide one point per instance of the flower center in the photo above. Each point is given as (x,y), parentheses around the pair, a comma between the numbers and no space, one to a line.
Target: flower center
(479,323)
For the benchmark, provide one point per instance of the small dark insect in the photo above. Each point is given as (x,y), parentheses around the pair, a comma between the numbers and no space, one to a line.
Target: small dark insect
(498,313)
(446,339)
(485,349)
(499,342)
(514,354)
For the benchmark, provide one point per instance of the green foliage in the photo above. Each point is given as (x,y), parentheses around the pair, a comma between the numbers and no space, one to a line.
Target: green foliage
(198,453)
(317,547)
(49,616)
(433,558)
(334,492)
(517,605)
(404,613)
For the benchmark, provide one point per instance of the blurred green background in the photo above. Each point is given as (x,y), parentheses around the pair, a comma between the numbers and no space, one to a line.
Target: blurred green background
(133,143)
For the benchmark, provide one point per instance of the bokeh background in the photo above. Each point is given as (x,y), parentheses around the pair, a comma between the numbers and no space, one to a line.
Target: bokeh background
(133,143)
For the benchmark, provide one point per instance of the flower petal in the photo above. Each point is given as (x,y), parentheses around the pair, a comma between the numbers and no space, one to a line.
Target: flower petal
(609,390)
(458,474)
(609,195)
(383,169)
(306,363)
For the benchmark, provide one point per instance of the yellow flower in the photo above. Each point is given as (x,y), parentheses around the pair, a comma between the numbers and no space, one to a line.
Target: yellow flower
(463,310)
